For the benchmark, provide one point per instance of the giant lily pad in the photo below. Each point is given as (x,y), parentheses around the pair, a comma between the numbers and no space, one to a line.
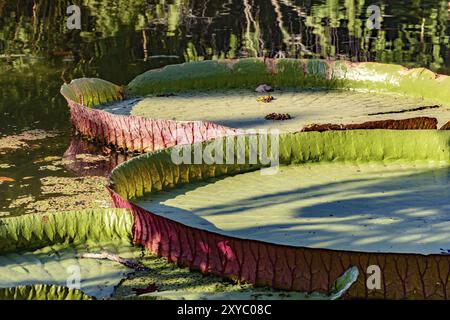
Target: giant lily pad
(240,109)
(198,101)
(362,190)
(338,197)
(39,250)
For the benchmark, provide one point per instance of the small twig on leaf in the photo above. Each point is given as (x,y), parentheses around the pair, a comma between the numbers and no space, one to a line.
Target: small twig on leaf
(130,263)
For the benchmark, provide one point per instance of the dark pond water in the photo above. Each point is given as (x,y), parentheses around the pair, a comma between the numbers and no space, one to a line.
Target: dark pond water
(121,39)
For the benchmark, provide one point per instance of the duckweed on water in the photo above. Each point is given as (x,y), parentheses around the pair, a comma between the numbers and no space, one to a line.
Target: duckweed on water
(169,277)
(67,193)
(164,280)
(22,140)
(55,189)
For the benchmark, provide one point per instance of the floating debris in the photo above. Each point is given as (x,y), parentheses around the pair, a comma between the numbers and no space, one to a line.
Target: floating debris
(264,88)
(278,116)
(265,99)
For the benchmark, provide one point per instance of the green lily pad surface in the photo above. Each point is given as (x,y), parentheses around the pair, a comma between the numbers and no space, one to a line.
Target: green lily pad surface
(240,108)
(61,265)
(362,190)
(387,207)
(47,249)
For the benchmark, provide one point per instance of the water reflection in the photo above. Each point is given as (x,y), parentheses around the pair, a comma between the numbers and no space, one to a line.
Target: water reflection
(413,32)
(122,39)
(84,158)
